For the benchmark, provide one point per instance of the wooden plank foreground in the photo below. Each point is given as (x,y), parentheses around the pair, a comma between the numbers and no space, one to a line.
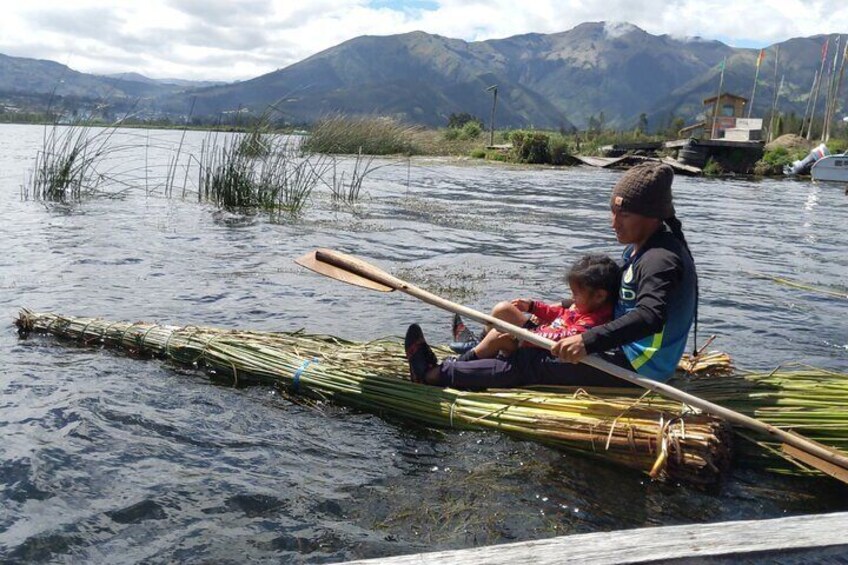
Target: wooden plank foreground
(723,539)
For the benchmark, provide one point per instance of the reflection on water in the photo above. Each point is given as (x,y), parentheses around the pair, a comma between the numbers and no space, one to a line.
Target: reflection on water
(107,458)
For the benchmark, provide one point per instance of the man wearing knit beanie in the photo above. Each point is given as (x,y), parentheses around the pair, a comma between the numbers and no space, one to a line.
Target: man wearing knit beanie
(640,201)
(645,190)
(657,300)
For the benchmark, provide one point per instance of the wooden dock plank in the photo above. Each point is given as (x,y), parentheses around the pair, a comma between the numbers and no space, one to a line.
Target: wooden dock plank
(630,160)
(661,543)
(681,168)
(597,161)
(678,143)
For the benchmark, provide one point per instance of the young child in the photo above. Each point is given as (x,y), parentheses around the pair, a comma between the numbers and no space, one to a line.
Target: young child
(499,360)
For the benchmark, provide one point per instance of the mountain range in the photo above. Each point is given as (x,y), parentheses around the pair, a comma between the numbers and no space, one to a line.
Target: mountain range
(612,72)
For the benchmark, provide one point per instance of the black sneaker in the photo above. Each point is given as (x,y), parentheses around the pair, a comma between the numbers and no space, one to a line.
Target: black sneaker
(463,338)
(460,331)
(421,358)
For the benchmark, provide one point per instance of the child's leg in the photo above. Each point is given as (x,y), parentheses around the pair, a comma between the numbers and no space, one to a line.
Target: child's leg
(494,341)
(508,313)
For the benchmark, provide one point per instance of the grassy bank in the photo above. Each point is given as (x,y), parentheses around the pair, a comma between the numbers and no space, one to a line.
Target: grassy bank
(339,134)
(385,136)
(369,135)
(787,149)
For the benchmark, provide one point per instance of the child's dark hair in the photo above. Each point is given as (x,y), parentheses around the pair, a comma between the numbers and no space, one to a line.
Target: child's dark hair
(596,271)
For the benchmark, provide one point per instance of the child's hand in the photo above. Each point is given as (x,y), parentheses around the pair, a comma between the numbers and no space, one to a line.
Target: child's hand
(523,304)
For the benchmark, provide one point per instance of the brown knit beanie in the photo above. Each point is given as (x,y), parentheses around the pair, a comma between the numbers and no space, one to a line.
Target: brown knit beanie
(645,190)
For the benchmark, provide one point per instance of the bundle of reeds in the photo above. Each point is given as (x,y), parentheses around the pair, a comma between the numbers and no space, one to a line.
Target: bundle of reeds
(646,433)
(796,397)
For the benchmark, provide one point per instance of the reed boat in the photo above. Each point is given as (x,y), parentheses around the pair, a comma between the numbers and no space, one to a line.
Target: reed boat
(661,438)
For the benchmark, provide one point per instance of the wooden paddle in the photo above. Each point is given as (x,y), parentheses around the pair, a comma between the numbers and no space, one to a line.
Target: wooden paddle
(355,271)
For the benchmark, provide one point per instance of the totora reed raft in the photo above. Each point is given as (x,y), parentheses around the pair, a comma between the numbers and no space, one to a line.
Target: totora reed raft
(647,433)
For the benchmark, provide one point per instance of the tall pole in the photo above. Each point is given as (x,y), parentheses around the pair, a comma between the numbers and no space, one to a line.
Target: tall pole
(760,58)
(831,94)
(776,92)
(809,102)
(838,85)
(831,77)
(718,99)
(818,88)
(775,121)
(494,90)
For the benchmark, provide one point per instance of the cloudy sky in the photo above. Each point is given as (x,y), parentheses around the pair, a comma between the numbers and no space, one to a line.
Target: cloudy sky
(239,39)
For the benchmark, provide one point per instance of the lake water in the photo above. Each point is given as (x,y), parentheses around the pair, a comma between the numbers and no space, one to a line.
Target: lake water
(107,459)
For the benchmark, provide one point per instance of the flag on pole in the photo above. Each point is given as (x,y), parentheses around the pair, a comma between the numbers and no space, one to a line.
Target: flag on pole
(760,58)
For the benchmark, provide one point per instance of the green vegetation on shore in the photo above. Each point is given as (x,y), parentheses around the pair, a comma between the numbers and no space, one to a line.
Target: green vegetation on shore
(370,135)
(466,136)
(788,149)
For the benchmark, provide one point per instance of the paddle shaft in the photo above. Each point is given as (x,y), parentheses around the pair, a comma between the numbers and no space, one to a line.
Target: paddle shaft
(372,273)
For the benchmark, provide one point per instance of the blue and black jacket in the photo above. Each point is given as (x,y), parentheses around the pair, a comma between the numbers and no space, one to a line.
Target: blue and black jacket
(655,309)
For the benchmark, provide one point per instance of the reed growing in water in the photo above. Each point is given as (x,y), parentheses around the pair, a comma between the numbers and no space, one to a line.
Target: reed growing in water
(348,190)
(68,166)
(279,182)
(256,142)
(370,135)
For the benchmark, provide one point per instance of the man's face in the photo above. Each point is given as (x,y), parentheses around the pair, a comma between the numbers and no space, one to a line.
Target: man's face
(630,227)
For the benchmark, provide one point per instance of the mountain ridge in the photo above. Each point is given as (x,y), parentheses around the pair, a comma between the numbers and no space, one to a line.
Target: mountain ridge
(616,71)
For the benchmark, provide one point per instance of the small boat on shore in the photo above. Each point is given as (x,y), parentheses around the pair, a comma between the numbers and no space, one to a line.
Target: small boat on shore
(832,168)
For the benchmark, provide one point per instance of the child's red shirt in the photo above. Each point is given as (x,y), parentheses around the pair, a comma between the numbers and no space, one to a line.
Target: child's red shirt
(558,322)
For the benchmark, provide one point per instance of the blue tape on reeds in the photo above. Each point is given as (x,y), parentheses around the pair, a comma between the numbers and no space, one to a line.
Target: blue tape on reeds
(300,370)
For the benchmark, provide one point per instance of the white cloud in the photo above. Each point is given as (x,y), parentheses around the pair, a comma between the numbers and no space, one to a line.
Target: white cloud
(618,29)
(223,39)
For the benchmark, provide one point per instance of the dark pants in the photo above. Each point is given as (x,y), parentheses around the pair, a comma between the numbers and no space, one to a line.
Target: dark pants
(529,366)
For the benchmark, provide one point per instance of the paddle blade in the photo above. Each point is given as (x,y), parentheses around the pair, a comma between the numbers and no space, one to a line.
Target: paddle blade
(311,262)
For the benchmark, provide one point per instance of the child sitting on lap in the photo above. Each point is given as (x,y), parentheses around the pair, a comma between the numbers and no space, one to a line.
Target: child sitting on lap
(594,281)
